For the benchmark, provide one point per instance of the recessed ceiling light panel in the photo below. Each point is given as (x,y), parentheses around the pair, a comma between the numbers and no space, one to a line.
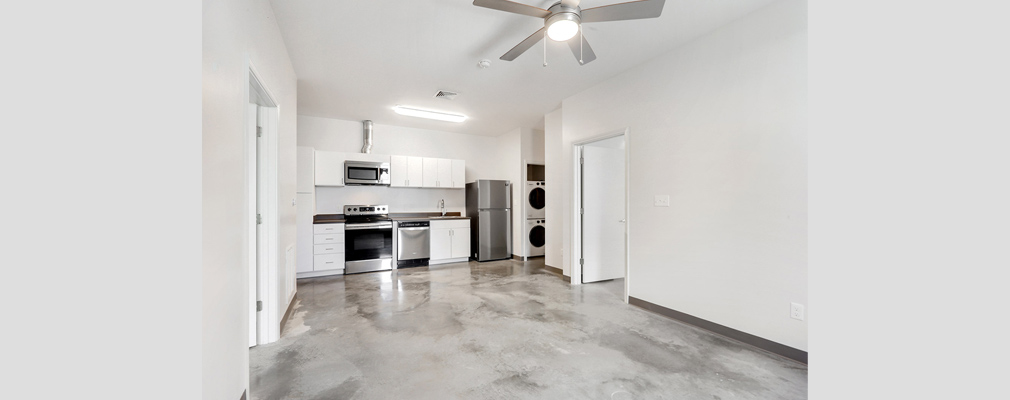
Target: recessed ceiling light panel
(429,114)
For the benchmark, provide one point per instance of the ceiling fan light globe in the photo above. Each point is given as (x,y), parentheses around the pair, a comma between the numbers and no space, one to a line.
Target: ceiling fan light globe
(562,30)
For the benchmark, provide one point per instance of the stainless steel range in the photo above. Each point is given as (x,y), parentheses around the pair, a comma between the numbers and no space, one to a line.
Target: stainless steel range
(368,239)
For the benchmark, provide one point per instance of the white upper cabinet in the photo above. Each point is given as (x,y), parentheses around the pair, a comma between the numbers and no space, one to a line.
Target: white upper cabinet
(444,173)
(458,173)
(397,171)
(329,168)
(305,157)
(429,177)
(415,171)
(326,168)
(405,171)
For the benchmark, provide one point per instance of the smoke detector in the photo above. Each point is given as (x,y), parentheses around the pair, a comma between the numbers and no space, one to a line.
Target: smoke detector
(484,64)
(445,94)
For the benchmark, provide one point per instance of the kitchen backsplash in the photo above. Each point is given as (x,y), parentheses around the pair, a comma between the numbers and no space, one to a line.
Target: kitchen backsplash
(330,200)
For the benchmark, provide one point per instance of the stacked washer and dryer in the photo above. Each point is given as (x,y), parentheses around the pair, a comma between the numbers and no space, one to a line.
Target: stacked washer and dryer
(535,231)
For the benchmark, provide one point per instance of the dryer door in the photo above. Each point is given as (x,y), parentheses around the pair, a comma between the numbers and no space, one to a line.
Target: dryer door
(535,201)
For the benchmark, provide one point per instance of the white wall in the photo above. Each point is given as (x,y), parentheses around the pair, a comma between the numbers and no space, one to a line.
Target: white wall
(533,146)
(719,125)
(235,34)
(484,156)
(553,171)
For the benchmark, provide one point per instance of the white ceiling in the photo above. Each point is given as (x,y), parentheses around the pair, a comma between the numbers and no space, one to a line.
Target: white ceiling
(357,59)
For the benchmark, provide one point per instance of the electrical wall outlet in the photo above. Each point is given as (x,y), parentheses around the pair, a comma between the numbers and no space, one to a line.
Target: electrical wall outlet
(796,311)
(662,200)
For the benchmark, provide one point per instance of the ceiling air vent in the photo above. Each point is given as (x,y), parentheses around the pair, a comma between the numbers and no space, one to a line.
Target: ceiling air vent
(445,94)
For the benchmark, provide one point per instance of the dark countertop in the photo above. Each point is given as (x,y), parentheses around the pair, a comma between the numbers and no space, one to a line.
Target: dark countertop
(418,216)
(328,219)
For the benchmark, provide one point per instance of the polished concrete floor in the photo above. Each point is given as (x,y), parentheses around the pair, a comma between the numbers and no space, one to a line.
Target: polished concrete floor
(500,330)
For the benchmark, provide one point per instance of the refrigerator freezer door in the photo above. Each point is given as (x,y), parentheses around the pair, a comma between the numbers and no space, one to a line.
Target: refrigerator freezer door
(494,194)
(495,234)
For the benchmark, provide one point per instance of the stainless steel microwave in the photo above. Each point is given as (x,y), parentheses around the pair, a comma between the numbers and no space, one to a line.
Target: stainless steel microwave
(366,173)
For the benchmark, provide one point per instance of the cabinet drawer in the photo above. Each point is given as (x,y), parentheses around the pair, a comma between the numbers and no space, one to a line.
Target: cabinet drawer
(328,239)
(323,262)
(450,223)
(328,228)
(329,248)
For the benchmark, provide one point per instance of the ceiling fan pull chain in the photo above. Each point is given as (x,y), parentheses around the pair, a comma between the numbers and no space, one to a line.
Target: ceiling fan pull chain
(545,47)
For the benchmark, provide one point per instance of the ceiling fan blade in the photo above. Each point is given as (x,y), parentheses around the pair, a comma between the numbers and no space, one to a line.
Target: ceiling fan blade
(570,3)
(586,51)
(512,7)
(623,11)
(524,45)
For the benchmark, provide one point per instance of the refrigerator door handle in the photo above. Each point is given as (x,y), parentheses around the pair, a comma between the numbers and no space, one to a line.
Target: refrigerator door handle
(508,236)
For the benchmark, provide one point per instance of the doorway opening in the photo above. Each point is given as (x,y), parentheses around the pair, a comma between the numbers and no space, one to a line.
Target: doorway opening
(262,115)
(533,220)
(600,208)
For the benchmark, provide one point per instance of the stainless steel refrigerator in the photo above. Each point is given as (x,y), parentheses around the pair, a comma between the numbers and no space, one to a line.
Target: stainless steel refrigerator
(489,206)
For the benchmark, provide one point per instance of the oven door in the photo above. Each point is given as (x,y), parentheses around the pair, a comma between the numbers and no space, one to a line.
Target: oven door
(368,247)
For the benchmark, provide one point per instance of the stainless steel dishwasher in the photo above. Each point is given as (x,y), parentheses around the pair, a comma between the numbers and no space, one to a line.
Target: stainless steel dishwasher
(414,241)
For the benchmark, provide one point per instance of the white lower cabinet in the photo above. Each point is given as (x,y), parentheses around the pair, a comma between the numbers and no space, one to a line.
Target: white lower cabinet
(327,250)
(450,241)
(329,262)
(441,243)
(460,242)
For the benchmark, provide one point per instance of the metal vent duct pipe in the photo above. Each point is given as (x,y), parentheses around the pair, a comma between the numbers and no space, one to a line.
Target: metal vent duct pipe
(367,137)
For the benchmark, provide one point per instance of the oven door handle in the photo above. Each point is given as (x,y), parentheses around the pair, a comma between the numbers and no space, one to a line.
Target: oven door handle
(374,225)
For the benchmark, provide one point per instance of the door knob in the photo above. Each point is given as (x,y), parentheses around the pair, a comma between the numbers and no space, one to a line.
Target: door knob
(622,220)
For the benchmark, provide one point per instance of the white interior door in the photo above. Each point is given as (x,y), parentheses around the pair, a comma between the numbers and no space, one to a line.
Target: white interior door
(603,219)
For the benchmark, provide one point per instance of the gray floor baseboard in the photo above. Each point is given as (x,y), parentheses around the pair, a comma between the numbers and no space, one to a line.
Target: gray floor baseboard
(554,270)
(740,336)
(287,313)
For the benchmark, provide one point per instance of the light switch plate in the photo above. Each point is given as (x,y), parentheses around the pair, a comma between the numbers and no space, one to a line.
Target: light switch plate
(662,200)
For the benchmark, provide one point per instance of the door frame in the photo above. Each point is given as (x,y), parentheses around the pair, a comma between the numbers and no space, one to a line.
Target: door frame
(261,261)
(576,225)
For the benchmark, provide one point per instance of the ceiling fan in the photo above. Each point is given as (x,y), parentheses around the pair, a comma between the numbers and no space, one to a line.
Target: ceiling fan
(563,20)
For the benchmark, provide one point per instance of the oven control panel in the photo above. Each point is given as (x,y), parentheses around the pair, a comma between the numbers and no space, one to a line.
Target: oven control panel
(366,210)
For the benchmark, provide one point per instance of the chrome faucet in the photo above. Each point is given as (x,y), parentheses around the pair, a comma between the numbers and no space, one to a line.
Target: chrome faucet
(441,204)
